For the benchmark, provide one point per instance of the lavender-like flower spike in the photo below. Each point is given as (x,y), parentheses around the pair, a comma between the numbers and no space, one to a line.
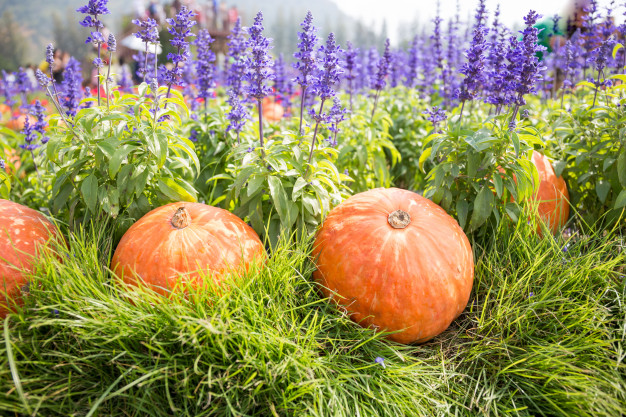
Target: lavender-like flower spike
(237,45)
(93,9)
(413,63)
(474,67)
(383,68)
(259,63)
(205,66)
(2,164)
(602,55)
(527,62)
(336,115)
(381,74)
(258,68)
(352,64)
(111,43)
(237,116)
(435,115)
(283,85)
(39,111)
(324,83)
(149,32)
(180,29)
(42,79)
(71,92)
(305,59)
(50,55)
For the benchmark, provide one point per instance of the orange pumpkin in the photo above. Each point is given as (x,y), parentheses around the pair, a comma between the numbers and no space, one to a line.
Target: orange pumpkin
(4,109)
(552,197)
(272,111)
(175,243)
(396,261)
(18,122)
(12,160)
(23,234)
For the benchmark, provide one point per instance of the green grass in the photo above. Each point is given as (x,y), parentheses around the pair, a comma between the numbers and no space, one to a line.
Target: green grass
(271,346)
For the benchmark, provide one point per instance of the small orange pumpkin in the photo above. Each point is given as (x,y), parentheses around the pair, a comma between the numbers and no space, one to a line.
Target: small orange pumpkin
(272,111)
(13,161)
(174,243)
(396,261)
(552,196)
(23,234)
(18,122)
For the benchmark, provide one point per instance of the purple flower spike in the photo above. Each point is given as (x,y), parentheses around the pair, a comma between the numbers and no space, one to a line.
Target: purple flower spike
(259,63)
(93,9)
(383,68)
(236,52)
(330,71)
(149,32)
(380,361)
(205,65)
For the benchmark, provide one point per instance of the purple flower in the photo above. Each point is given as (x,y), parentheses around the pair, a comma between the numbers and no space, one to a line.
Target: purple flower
(383,68)
(330,72)
(180,29)
(283,85)
(145,60)
(112,43)
(413,63)
(97,62)
(235,71)
(29,136)
(2,164)
(42,79)
(93,9)
(70,92)
(259,62)
(474,67)
(204,65)
(193,135)
(380,361)
(531,294)
(39,111)
(237,115)
(149,32)
(305,57)
(436,115)
(530,73)
(50,55)
(352,64)
(336,115)
(371,67)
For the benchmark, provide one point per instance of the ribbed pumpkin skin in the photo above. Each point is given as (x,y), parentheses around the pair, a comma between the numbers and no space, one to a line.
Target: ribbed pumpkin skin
(215,240)
(23,233)
(418,278)
(552,196)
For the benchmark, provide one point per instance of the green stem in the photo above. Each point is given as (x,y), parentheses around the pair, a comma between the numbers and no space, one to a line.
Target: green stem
(260,107)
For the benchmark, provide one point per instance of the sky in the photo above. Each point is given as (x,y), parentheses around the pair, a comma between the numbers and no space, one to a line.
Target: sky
(397,12)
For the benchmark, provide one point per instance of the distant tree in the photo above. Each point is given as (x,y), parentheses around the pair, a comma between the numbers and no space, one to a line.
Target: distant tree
(14,45)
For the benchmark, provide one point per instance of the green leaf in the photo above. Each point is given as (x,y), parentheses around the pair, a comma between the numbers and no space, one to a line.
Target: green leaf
(462,208)
(602,190)
(254,184)
(621,200)
(279,197)
(498,184)
(176,190)
(616,48)
(482,208)
(298,186)
(118,157)
(89,190)
(621,168)
(513,210)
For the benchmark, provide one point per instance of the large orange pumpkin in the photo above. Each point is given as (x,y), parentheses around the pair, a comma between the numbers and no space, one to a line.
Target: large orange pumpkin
(24,232)
(396,261)
(181,242)
(552,197)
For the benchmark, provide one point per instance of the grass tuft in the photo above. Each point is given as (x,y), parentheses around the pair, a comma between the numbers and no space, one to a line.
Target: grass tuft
(544,334)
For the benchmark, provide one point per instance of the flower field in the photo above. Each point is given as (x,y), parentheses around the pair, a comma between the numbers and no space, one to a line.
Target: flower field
(429,229)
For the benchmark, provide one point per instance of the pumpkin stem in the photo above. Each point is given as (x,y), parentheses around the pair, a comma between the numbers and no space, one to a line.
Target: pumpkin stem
(399,219)
(181,218)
